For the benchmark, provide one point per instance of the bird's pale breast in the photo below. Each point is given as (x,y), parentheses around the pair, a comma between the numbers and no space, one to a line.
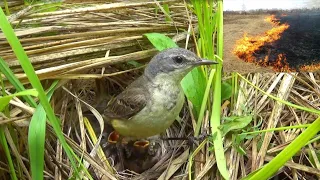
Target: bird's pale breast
(165,103)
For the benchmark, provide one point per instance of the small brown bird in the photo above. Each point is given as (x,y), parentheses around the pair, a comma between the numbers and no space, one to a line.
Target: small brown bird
(150,104)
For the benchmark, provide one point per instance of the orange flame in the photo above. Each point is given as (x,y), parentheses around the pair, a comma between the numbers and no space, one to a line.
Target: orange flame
(272,19)
(247,46)
(310,68)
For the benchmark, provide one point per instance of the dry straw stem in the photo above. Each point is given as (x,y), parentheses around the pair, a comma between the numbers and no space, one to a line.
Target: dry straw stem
(11,3)
(287,86)
(101,8)
(85,155)
(15,152)
(83,34)
(210,161)
(88,64)
(175,165)
(5,120)
(283,93)
(296,166)
(82,129)
(17,15)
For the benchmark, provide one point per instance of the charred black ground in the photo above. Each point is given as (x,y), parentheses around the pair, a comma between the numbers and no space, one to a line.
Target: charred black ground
(300,43)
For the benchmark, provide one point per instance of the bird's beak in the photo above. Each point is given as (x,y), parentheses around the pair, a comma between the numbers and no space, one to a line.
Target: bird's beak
(205,62)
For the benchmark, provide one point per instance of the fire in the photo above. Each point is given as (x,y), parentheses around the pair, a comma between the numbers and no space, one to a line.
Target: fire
(247,46)
(281,63)
(272,19)
(310,68)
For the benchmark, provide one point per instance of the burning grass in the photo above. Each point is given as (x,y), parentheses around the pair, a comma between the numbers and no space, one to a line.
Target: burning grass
(291,45)
(310,68)
(248,46)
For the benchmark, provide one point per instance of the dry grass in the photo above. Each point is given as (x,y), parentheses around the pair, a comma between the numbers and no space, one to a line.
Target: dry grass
(301,89)
(88,47)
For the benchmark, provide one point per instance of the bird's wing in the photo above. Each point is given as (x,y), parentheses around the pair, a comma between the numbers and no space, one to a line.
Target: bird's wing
(127,104)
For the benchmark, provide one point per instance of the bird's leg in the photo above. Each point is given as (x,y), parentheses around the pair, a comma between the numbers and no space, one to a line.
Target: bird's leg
(192,140)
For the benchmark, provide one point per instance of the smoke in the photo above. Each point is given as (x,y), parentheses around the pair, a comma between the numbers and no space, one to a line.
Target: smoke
(312,4)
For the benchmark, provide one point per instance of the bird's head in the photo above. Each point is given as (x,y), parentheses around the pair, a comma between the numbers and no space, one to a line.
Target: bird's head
(174,63)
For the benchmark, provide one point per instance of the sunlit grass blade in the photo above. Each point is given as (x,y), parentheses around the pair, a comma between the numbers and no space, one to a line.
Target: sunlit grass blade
(36,138)
(235,89)
(281,100)
(216,106)
(277,129)
(4,100)
(35,82)
(160,41)
(317,138)
(94,139)
(4,68)
(204,103)
(210,23)
(167,10)
(287,153)
(271,168)
(193,85)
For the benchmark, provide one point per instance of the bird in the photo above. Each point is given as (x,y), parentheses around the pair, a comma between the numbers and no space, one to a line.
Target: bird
(151,103)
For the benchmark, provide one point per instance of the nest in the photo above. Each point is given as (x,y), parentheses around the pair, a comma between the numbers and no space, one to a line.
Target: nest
(97,50)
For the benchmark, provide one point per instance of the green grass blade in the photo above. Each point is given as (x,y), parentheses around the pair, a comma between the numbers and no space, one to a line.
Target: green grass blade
(317,138)
(3,93)
(193,85)
(5,147)
(286,154)
(4,68)
(277,129)
(167,10)
(303,139)
(4,100)
(280,100)
(36,138)
(190,160)
(209,23)
(204,103)
(35,82)
(226,91)
(3,140)
(160,41)
(215,117)
(6,7)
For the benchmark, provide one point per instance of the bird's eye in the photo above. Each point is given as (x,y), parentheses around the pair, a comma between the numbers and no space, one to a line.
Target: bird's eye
(178,59)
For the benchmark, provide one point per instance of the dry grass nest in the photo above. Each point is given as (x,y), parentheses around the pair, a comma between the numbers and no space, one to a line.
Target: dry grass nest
(97,50)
